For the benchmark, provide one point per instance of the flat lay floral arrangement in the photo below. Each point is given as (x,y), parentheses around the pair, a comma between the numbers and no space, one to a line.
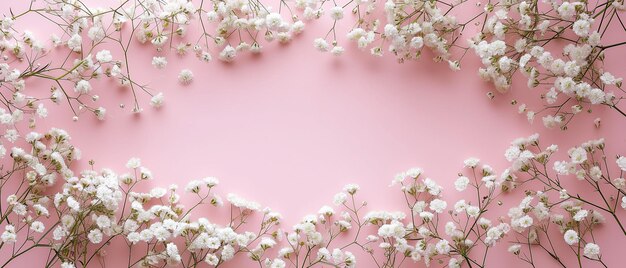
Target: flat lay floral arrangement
(555,48)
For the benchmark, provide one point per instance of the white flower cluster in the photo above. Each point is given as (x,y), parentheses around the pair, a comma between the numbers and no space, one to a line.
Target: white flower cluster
(573,75)
(576,214)
(84,31)
(508,44)
(317,231)
(91,209)
(305,235)
(425,202)
(36,167)
(407,28)
(162,22)
(163,224)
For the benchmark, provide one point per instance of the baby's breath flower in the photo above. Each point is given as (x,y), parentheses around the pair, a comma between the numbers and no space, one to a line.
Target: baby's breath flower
(185,76)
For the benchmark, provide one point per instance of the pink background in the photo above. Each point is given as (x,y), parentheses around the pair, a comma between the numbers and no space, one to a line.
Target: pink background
(290,127)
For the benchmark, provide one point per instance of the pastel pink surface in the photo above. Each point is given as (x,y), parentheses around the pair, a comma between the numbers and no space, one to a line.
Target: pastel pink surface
(290,127)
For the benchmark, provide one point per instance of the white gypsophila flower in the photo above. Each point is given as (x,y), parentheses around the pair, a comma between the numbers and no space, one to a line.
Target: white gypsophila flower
(515,249)
(104,56)
(461,183)
(337,50)
(75,43)
(571,237)
(134,237)
(159,40)
(414,173)
(19,209)
(116,71)
(432,187)
(399,178)
(578,155)
(228,54)
(96,33)
(82,87)
(336,13)
(42,112)
(473,211)
(211,181)
(95,236)
(471,162)
(563,168)
(349,260)
(595,173)
(567,10)
(454,263)
(100,113)
(267,243)
(591,251)
(621,162)
(228,252)
(297,27)
(185,76)
(326,211)
(277,263)
(393,229)
(340,198)
(438,205)
(450,228)
(240,202)
(460,206)
(59,232)
(37,226)
(130,226)
(454,65)
(483,222)
(206,57)
(9,235)
(172,253)
(160,232)
(41,210)
(273,21)
(581,27)
(158,192)
(608,79)
(55,39)
(157,100)
(12,135)
(103,222)
(194,186)
(285,252)
(67,265)
(443,247)
(145,173)
(133,163)
(321,44)
(524,222)
(351,188)
(211,259)
(159,62)
(73,204)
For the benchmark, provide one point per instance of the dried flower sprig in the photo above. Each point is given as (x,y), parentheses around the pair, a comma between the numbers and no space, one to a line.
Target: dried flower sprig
(406,28)
(76,222)
(550,204)
(559,47)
